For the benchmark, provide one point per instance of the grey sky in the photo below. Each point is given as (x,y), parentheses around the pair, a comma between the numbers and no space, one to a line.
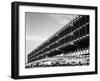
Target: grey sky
(40,26)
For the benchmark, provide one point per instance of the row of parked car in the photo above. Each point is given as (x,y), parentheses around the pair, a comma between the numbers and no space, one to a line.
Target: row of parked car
(73,61)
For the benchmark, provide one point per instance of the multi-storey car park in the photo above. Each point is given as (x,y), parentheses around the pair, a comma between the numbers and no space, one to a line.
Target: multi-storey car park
(67,47)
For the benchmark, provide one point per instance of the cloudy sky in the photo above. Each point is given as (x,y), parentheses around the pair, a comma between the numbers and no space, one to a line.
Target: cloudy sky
(40,26)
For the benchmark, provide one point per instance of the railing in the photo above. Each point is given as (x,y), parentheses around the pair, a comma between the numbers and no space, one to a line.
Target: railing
(71,35)
(66,44)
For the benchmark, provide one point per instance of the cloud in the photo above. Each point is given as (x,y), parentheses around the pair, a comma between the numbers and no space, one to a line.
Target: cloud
(62,19)
(35,38)
(32,42)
